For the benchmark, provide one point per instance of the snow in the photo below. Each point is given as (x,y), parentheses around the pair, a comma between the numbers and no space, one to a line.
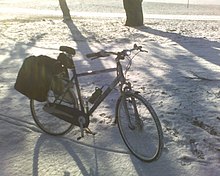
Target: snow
(186,1)
(180,77)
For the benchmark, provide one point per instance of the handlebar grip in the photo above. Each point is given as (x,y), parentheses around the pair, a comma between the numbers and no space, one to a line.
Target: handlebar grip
(91,55)
(101,53)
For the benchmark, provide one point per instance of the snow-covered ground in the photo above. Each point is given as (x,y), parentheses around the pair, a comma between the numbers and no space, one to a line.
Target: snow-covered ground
(180,76)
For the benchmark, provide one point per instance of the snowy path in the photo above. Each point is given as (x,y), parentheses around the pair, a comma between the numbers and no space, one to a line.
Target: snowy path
(182,70)
(190,122)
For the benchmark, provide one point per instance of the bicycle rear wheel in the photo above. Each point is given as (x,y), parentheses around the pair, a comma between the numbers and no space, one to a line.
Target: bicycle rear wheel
(48,122)
(139,127)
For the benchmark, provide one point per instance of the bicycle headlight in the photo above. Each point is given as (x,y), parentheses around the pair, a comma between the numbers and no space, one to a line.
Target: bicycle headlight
(126,52)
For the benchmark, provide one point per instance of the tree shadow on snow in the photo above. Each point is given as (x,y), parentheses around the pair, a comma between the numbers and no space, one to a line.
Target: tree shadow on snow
(201,47)
(186,98)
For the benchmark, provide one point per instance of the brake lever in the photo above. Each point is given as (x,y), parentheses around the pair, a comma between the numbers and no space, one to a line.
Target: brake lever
(103,53)
(144,51)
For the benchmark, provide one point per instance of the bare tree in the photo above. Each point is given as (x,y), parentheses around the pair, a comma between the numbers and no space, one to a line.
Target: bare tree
(134,13)
(133,9)
(65,10)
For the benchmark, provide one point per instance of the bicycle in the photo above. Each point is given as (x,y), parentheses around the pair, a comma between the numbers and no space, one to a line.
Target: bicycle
(137,121)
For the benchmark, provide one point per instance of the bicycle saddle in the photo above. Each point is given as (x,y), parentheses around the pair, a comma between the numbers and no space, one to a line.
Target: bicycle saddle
(68,50)
(65,60)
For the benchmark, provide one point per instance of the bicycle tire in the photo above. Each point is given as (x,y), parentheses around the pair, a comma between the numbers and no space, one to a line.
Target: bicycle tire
(49,123)
(139,127)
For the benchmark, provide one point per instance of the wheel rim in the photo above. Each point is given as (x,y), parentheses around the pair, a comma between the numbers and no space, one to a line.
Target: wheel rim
(139,129)
(47,122)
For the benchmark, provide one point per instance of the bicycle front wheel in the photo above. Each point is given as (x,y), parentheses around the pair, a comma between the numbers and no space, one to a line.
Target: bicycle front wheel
(48,122)
(139,126)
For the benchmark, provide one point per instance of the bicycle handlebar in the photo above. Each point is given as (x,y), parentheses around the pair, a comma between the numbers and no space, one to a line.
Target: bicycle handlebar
(121,54)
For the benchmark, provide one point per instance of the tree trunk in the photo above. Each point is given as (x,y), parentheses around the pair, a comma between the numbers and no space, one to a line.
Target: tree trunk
(134,13)
(65,10)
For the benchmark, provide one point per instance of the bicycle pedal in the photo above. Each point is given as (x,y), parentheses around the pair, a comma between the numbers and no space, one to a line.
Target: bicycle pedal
(88,131)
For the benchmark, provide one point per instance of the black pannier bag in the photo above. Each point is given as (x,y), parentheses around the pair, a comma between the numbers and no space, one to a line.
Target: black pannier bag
(35,76)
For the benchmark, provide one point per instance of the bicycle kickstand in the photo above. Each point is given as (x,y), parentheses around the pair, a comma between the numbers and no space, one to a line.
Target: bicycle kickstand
(87,130)
(81,122)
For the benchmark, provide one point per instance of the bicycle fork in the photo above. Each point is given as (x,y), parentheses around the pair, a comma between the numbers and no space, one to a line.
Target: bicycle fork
(137,121)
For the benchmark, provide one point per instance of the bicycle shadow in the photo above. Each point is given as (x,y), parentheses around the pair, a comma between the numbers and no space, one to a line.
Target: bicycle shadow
(60,156)
(66,156)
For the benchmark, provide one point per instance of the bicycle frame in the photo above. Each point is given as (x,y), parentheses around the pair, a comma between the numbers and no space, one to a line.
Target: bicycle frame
(120,78)
(134,115)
